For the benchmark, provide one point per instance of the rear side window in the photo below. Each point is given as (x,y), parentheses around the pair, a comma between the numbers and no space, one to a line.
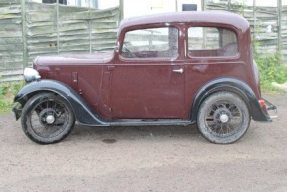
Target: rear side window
(211,42)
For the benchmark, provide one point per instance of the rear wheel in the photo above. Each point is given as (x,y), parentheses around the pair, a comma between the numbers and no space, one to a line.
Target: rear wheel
(223,118)
(47,118)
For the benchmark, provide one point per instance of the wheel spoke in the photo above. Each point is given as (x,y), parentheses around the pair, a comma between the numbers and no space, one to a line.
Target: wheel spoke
(41,111)
(216,123)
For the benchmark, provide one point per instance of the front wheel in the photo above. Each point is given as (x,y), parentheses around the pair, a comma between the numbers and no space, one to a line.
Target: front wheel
(47,118)
(223,118)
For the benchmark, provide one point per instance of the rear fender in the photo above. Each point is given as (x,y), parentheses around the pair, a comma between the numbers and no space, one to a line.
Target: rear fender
(231,85)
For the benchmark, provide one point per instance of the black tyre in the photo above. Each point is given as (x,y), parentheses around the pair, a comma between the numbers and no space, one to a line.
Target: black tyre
(47,118)
(223,118)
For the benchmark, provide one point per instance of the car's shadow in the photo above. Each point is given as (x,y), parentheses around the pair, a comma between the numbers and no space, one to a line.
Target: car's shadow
(112,134)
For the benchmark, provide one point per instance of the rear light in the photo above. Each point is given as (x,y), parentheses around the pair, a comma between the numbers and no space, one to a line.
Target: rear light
(262,104)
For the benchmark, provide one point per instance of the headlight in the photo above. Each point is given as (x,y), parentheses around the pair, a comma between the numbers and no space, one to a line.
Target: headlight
(31,75)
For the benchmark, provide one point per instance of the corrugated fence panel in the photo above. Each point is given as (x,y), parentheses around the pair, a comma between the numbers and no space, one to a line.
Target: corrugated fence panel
(266,29)
(41,31)
(86,29)
(51,29)
(11,44)
(221,5)
(104,29)
(83,29)
(266,21)
(74,29)
(284,33)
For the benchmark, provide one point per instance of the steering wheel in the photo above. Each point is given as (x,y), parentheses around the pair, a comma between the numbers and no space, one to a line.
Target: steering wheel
(127,52)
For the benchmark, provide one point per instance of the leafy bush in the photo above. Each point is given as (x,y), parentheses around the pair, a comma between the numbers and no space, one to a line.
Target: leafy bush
(7,92)
(271,71)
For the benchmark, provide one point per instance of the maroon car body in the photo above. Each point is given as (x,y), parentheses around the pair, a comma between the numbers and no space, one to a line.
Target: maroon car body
(161,70)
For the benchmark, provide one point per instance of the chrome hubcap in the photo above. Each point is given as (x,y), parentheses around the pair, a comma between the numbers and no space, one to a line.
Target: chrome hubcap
(224,118)
(50,119)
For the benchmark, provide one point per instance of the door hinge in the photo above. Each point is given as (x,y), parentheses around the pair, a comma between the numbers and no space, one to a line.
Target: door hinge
(75,77)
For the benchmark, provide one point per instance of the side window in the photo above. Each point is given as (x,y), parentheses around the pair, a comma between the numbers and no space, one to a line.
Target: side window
(151,43)
(211,42)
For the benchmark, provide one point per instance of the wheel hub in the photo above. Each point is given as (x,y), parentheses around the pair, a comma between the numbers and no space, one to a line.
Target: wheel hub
(47,116)
(222,115)
(50,119)
(224,118)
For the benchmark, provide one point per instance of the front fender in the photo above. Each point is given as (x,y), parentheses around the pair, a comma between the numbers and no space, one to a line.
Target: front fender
(83,113)
(233,85)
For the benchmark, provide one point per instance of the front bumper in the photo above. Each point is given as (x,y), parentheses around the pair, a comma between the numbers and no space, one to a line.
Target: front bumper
(17,110)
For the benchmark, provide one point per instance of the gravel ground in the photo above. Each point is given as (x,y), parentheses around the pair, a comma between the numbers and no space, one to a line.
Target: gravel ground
(146,159)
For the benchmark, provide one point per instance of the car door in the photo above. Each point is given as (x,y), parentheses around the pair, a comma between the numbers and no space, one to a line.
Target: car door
(148,79)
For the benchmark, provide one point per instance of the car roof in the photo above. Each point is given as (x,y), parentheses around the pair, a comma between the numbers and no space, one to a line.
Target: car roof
(215,17)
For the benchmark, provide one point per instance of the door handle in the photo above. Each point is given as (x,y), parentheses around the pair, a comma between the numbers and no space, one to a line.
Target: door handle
(111,67)
(178,70)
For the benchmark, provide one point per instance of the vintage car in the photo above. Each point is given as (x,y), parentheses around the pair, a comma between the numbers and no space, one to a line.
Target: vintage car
(166,69)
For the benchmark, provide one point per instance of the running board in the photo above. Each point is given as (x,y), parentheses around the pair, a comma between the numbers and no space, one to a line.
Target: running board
(145,122)
(149,122)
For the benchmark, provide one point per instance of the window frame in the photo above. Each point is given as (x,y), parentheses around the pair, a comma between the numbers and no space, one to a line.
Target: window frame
(149,59)
(217,26)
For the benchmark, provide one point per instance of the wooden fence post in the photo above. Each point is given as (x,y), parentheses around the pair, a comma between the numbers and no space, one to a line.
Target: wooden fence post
(121,4)
(90,28)
(24,32)
(58,35)
(254,21)
(202,5)
(279,9)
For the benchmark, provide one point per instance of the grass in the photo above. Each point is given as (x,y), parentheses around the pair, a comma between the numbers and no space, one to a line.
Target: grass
(7,93)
